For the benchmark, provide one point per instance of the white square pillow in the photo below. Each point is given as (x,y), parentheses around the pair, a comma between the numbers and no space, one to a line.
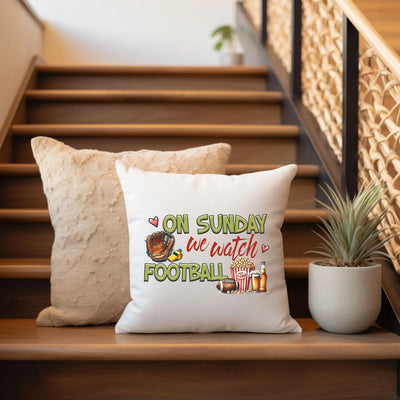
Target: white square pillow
(89,258)
(196,241)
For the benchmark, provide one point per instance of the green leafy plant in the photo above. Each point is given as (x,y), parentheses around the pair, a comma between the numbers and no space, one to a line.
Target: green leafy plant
(226,35)
(350,235)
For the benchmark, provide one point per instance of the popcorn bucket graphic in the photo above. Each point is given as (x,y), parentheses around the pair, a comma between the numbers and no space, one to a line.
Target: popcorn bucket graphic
(240,271)
(242,276)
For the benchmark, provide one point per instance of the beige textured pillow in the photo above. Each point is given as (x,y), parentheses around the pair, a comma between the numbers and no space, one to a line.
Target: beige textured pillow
(89,261)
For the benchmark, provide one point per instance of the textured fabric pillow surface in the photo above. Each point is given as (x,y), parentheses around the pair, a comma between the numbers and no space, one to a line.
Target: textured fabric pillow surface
(89,260)
(196,243)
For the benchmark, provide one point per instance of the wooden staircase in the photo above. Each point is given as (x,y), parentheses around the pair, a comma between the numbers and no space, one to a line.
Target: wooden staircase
(165,108)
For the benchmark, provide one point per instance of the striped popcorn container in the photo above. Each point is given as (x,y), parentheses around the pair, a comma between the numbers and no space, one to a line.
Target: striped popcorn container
(240,271)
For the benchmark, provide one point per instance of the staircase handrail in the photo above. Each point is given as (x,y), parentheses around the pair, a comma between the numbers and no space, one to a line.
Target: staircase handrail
(371,35)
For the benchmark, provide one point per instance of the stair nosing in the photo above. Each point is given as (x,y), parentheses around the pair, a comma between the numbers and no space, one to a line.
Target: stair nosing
(39,215)
(303,171)
(207,96)
(295,267)
(123,130)
(248,71)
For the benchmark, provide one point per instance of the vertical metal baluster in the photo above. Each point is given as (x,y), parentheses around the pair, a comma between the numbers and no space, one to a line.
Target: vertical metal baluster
(295,76)
(263,27)
(350,108)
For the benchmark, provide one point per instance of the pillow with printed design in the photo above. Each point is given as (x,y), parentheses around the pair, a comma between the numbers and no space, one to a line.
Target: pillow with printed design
(206,252)
(89,260)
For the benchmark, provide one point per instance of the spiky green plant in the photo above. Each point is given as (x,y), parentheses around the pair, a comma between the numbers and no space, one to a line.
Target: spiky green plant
(226,33)
(350,235)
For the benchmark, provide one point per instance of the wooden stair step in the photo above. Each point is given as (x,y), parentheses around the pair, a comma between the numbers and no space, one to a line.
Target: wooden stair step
(250,144)
(258,70)
(156,130)
(42,215)
(22,187)
(23,340)
(39,268)
(153,106)
(97,364)
(178,96)
(25,268)
(303,171)
(28,232)
(151,77)
(24,215)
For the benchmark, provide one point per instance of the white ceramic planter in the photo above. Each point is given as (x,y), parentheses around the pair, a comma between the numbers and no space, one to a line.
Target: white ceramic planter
(344,299)
(231,58)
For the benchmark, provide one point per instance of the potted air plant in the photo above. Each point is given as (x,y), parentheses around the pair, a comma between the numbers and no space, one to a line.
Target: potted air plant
(227,45)
(344,294)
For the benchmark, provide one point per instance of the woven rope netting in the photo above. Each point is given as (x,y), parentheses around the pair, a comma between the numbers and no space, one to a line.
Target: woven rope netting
(279,29)
(322,68)
(379,137)
(253,8)
(379,102)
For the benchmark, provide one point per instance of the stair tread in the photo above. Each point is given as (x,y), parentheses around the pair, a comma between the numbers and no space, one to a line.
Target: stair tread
(303,171)
(21,339)
(231,96)
(243,70)
(39,268)
(205,130)
(42,215)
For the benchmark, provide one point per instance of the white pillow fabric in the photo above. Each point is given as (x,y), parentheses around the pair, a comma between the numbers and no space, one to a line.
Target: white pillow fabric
(188,237)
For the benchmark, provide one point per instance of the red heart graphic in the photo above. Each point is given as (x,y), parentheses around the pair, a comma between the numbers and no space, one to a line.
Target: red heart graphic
(154,221)
(264,248)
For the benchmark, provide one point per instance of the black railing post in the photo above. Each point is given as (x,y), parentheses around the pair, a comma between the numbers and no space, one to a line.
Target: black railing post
(350,108)
(295,76)
(263,27)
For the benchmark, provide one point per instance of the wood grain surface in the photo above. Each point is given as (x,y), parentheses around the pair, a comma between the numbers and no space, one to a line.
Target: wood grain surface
(22,187)
(39,268)
(23,340)
(384,16)
(151,77)
(198,380)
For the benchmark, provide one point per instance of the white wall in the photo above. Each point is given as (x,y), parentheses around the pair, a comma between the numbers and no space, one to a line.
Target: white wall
(20,40)
(154,32)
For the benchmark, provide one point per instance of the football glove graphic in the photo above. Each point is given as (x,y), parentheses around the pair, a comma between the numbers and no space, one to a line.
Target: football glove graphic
(160,245)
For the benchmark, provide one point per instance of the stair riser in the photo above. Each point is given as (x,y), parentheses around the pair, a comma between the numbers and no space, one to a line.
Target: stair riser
(25,298)
(27,192)
(26,240)
(34,240)
(199,380)
(64,112)
(244,150)
(149,82)
(22,192)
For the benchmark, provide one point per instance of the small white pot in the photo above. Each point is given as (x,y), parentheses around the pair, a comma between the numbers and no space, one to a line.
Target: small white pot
(344,299)
(231,58)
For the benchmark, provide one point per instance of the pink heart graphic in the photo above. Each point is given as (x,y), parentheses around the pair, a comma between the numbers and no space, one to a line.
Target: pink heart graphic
(154,221)
(264,248)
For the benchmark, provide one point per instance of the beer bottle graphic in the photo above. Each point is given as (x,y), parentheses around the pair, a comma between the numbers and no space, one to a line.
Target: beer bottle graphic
(263,282)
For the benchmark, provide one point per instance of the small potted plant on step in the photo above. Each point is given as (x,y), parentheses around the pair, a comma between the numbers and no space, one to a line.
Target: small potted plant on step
(227,45)
(344,293)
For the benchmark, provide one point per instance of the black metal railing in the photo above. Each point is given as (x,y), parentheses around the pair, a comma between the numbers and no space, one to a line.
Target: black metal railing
(350,56)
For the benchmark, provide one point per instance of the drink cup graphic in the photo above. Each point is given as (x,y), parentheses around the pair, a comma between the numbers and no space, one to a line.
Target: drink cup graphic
(240,271)
(255,280)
